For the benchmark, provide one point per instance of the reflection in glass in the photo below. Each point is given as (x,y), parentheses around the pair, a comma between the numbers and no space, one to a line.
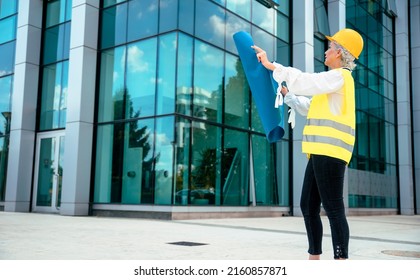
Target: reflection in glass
(5,104)
(211,20)
(7,8)
(7,58)
(166,74)
(208,82)
(4,152)
(46,172)
(168,15)
(186,16)
(242,8)
(165,149)
(141,78)
(57,43)
(54,96)
(264,173)
(233,25)
(263,17)
(58,11)
(8,29)
(111,85)
(142,19)
(235,169)
(182,161)
(114,26)
(236,94)
(206,163)
(184,77)
(125,162)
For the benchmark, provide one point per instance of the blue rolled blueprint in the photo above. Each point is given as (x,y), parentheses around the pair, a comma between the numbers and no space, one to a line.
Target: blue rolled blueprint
(263,87)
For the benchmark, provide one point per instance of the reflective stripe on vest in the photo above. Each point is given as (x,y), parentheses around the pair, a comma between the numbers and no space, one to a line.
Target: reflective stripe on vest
(326,133)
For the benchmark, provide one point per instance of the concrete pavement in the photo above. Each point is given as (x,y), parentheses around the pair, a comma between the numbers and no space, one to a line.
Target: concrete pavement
(32,236)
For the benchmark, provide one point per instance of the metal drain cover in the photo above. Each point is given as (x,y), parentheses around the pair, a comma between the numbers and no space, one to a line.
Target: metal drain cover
(400,253)
(187,243)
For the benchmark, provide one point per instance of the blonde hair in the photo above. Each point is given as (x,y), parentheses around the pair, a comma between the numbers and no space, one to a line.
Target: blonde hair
(347,59)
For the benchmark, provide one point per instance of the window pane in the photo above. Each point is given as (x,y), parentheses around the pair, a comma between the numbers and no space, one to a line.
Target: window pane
(7,8)
(56,12)
(242,8)
(111,85)
(184,77)
(186,16)
(7,58)
(57,43)
(138,160)
(142,19)
(141,78)
(124,162)
(8,29)
(211,20)
(54,96)
(182,161)
(5,104)
(168,15)
(233,25)
(235,169)
(264,173)
(236,94)
(206,163)
(166,75)
(4,152)
(164,168)
(282,27)
(114,26)
(208,82)
(263,17)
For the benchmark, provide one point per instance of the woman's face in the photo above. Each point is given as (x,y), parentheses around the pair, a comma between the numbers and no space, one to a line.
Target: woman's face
(332,56)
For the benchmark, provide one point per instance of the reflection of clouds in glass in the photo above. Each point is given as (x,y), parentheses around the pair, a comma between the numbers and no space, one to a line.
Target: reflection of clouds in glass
(115,76)
(134,60)
(217,25)
(210,59)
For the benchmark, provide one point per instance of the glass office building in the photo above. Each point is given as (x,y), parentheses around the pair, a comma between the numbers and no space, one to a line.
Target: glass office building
(141,107)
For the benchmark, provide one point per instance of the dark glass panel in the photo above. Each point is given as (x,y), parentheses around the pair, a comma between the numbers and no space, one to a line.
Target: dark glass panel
(206,163)
(114,26)
(264,173)
(235,170)
(124,163)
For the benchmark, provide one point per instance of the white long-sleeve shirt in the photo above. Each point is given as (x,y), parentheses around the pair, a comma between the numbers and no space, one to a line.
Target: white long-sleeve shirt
(301,85)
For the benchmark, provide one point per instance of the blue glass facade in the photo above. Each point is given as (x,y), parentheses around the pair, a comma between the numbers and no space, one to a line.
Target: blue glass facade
(176,121)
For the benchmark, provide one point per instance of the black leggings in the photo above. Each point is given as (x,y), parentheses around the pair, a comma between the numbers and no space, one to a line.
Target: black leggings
(323,183)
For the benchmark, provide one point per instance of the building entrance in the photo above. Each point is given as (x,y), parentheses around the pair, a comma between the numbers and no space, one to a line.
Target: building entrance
(48,172)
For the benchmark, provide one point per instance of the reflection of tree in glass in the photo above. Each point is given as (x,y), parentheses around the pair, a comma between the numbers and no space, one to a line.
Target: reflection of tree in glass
(137,138)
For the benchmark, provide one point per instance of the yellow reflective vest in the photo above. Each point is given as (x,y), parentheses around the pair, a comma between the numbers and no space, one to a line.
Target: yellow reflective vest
(328,134)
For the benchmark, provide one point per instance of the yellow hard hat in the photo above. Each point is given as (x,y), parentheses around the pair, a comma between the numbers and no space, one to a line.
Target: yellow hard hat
(350,40)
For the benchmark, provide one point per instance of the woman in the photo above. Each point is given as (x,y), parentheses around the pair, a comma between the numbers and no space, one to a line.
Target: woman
(328,136)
